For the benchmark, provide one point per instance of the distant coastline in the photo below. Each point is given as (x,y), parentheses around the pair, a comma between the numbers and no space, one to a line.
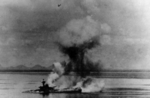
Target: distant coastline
(136,74)
(23,68)
(49,70)
(7,70)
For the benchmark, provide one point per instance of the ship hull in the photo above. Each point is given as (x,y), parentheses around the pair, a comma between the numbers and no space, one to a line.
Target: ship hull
(52,91)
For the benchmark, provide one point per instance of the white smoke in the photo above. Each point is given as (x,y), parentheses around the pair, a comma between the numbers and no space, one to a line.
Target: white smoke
(67,81)
(52,78)
(90,84)
(78,31)
(61,81)
(58,70)
(56,78)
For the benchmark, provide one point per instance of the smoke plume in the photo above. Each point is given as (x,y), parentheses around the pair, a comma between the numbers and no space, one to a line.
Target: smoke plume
(75,40)
(79,36)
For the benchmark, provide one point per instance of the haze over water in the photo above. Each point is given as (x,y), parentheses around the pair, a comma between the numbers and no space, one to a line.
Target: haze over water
(12,86)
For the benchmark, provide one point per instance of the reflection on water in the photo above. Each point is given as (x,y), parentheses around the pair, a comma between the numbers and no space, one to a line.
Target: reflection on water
(109,93)
(102,95)
(15,84)
(72,96)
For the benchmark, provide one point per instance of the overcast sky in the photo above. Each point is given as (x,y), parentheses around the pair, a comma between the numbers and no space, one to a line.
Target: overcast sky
(30,28)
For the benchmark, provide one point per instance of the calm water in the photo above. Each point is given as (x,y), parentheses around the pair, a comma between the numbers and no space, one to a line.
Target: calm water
(12,85)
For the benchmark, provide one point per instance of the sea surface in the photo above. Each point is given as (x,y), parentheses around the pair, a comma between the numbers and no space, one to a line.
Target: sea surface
(13,84)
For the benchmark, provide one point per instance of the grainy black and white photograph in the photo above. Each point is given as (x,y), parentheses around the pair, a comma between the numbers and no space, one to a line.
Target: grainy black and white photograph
(74,48)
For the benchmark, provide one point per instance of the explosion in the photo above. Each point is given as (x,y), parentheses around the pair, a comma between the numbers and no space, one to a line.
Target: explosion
(75,40)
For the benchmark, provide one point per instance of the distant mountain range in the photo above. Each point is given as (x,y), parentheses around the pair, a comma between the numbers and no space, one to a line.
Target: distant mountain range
(38,67)
(23,67)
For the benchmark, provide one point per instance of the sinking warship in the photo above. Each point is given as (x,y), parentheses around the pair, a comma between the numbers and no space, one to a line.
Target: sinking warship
(77,63)
(45,89)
